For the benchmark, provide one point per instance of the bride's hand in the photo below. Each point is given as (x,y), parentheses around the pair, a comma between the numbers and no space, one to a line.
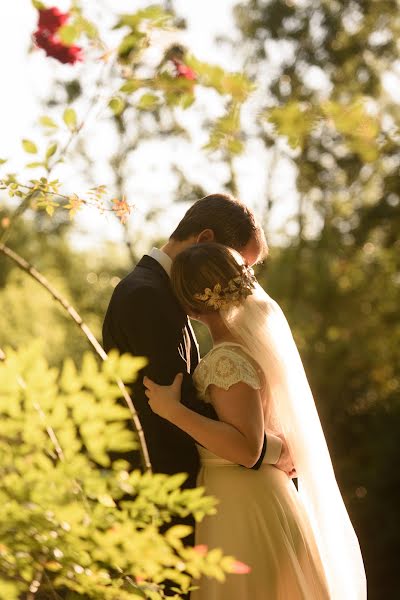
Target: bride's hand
(285,462)
(164,399)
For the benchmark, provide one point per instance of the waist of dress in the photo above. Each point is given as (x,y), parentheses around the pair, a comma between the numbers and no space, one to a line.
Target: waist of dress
(208,459)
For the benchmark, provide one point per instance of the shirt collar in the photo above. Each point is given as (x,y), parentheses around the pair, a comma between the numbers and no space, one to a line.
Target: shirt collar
(163,259)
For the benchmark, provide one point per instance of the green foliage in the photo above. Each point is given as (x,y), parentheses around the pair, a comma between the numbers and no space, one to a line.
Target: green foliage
(29,146)
(226,134)
(67,525)
(338,277)
(117,105)
(70,118)
(68,34)
(295,120)
(47,194)
(46,121)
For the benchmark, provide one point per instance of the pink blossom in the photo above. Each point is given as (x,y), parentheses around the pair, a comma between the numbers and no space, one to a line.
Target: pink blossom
(183,70)
(201,549)
(240,568)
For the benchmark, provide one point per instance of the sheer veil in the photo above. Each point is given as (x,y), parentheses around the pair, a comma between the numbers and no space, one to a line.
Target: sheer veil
(262,327)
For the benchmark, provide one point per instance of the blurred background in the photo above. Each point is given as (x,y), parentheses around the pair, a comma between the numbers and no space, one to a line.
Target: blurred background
(315,154)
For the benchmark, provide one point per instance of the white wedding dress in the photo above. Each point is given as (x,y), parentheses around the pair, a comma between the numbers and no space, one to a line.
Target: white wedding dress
(261,520)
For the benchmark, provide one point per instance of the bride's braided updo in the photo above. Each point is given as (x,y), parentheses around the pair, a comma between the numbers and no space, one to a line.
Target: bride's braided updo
(208,277)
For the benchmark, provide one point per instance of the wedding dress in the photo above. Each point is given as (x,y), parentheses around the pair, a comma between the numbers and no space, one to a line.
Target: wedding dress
(260,520)
(300,544)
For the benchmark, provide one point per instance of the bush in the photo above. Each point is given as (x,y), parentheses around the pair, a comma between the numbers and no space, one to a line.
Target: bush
(73,523)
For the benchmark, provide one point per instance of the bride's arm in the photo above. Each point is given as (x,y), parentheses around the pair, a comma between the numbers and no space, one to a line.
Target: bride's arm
(238,435)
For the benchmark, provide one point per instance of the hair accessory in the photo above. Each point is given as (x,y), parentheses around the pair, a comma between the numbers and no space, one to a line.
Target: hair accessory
(234,294)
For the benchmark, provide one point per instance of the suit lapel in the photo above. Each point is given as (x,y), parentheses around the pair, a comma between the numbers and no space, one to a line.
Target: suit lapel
(188,348)
(195,354)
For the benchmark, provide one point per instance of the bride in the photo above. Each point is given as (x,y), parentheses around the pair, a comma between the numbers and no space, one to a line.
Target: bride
(299,545)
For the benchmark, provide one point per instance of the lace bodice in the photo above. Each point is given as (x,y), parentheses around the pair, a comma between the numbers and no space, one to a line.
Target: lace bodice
(225,365)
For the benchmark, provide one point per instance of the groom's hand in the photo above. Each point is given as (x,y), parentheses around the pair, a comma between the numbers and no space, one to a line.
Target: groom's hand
(285,462)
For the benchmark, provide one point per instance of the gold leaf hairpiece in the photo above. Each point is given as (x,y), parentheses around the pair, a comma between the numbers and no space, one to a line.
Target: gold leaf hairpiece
(234,294)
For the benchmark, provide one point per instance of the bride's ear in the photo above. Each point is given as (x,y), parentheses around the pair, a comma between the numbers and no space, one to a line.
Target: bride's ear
(207,235)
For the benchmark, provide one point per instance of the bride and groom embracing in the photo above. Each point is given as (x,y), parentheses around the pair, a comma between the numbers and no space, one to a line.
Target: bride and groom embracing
(242,420)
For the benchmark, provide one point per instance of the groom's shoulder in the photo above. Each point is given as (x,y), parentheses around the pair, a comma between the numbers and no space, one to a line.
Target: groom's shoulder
(141,284)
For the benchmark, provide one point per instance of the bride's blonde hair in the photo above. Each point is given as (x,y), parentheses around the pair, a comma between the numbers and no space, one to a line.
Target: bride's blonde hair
(208,277)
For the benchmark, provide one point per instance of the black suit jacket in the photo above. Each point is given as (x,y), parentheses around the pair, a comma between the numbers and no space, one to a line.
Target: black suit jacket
(144,318)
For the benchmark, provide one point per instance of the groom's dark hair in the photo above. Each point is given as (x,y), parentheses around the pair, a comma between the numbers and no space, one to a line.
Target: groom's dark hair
(232,222)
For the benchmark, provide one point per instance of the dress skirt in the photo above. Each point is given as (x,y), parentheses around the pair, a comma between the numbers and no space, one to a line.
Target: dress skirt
(262,523)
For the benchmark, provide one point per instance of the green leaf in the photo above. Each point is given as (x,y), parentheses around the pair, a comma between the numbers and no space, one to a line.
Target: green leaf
(295,120)
(38,5)
(117,105)
(29,147)
(46,121)
(148,102)
(33,165)
(70,118)
(131,86)
(51,150)
(68,34)
(186,100)
(154,15)
(133,41)
(86,27)
(3,160)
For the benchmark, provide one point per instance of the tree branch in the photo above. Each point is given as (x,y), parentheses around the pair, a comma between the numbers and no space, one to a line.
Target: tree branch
(73,135)
(37,276)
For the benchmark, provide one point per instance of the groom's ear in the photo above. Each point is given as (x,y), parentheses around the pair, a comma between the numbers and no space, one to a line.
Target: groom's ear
(207,235)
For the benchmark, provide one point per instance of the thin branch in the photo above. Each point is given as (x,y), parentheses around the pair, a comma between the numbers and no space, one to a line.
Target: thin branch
(35,584)
(21,208)
(53,592)
(74,134)
(37,276)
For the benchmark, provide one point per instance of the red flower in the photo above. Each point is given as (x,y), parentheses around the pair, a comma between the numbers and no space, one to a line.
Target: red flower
(183,70)
(65,54)
(51,19)
(43,39)
(56,49)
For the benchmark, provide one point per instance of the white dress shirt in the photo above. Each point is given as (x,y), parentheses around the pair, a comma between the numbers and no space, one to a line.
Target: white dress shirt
(162,258)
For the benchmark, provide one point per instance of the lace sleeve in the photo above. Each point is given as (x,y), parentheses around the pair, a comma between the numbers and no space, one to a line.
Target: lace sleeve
(227,366)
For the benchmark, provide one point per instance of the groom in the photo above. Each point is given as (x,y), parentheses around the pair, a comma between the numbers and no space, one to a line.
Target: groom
(145,319)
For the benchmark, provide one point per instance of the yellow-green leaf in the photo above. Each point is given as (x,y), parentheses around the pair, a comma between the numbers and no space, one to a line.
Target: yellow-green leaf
(51,150)
(70,118)
(131,86)
(46,121)
(33,165)
(29,146)
(68,34)
(148,102)
(117,105)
